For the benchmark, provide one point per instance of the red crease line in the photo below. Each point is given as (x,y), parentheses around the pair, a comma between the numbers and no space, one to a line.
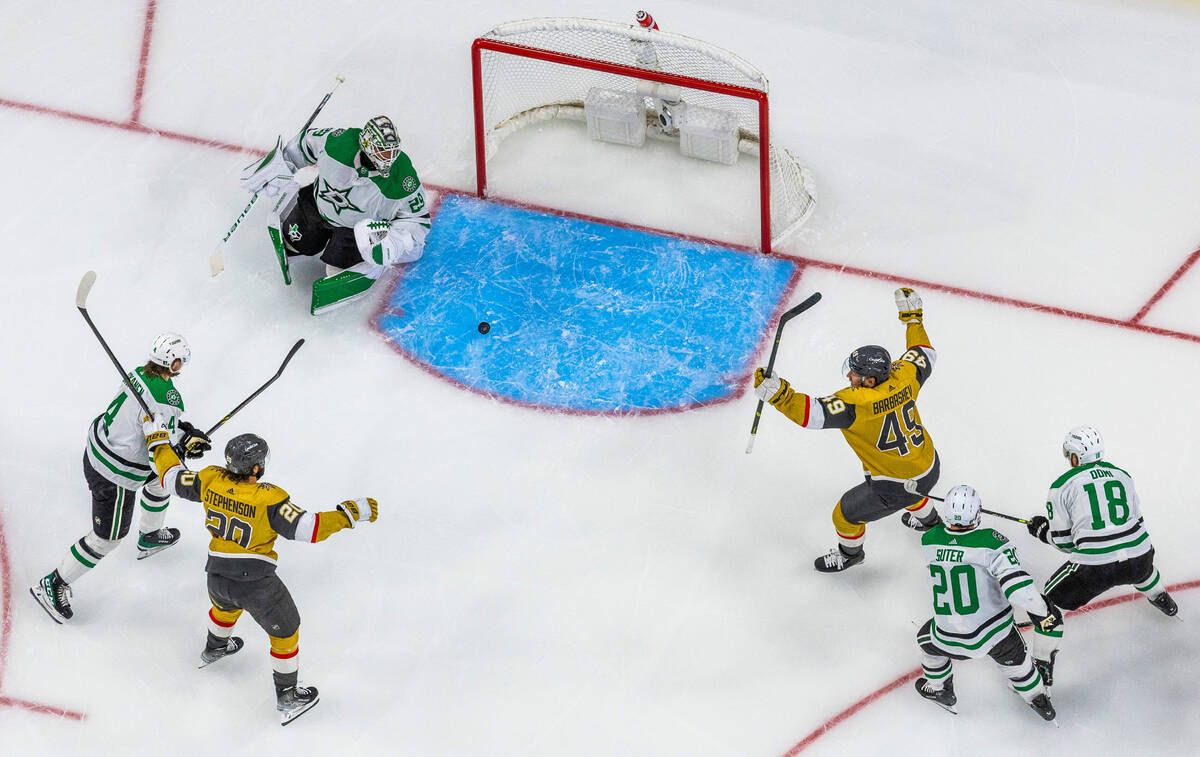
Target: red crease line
(44,709)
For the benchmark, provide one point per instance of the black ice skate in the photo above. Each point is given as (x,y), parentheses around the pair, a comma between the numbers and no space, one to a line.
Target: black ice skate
(1165,604)
(54,595)
(836,560)
(156,541)
(1041,705)
(943,697)
(1045,668)
(920,526)
(294,701)
(212,653)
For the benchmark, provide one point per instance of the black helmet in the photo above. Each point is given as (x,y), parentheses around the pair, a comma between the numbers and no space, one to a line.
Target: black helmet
(245,451)
(871,361)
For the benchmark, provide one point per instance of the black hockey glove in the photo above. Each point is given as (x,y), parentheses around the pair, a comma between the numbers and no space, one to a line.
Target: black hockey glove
(1050,623)
(194,442)
(1039,527)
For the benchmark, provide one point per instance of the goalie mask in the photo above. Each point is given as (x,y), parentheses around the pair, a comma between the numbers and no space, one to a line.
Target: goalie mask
(380,143)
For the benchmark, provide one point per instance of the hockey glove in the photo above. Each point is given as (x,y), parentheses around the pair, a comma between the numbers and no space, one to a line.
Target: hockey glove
(269,176)
(1039,527)
(768,388)
(358,510)
(156,432)
(194,442)
(908,302)
(1049,624)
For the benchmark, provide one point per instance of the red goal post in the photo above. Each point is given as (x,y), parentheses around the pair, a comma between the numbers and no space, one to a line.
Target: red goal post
(525,72)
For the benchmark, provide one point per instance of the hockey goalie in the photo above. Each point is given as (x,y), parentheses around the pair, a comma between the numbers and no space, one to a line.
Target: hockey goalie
(365,210)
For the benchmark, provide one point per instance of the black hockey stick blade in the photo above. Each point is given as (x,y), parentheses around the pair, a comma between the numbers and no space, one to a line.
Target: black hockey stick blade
(788,315)
(278,373)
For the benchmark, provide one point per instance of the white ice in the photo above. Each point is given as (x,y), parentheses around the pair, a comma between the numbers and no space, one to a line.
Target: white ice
(544,584)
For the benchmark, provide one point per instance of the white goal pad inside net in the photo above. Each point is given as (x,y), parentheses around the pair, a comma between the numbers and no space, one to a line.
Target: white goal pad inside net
(630,85)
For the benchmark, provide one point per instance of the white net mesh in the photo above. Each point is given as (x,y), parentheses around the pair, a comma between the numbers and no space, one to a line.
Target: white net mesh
(518,89)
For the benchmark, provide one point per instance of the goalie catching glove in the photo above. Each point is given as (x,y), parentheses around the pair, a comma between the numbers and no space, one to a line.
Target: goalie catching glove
(387,242)
(271,175)
(769,388)
(358,510)
(908,303)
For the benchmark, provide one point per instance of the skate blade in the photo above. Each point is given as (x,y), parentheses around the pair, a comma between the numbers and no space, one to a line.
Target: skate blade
(204,664)
(143,553)
(49,611)
(288,717)
(947,707)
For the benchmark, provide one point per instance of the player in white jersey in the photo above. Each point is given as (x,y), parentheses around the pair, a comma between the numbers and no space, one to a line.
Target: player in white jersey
(117,465)
(366,209)
(1093,514)
(977,578)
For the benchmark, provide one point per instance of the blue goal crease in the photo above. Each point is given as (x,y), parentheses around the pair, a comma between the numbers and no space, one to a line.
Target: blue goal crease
(584,316)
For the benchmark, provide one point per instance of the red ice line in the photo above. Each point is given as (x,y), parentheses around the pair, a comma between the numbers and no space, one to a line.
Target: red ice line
(134,125)
(912,675)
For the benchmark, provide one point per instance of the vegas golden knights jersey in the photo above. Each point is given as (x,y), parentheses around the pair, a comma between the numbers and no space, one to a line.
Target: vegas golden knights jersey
(244,518)
(881,423)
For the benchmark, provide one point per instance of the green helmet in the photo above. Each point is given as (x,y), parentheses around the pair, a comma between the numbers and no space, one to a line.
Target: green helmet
(379,141)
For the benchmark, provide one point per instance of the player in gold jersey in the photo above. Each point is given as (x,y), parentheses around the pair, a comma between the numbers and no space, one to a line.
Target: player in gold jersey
(245,517)
(877,414)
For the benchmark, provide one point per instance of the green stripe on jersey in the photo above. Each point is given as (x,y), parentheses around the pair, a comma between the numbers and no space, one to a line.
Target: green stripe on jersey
(1008,592)
(138,479)
(963,645)
(980,538)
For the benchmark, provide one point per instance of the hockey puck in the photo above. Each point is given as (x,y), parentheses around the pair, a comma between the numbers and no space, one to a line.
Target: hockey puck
(484,327)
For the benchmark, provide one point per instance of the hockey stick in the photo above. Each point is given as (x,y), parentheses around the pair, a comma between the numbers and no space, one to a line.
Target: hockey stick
(783,319)
(910,486)
(278,373)
(81,295)
(216,261)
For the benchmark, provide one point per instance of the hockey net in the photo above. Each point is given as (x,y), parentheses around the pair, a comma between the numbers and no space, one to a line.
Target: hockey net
(531,71)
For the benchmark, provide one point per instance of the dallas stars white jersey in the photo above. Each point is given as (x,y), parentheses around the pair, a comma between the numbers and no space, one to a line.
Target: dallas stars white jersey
(1096,516)
(116,446)
(975,576)
(346,191)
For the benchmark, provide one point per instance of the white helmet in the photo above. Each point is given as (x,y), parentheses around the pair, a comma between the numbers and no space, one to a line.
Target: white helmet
(1085,443)
(961,507)
(169,347)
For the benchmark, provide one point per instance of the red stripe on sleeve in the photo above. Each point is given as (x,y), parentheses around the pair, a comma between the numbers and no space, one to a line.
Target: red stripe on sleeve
(807,401)
(316,527)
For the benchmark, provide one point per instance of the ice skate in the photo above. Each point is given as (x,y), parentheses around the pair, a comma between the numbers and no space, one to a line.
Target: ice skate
(1046,668)
(1165,604)
(54,595)
(294,701)
(943,697)
(233,645)
(836,560)
(1041,705)
(156,541)
(917,525)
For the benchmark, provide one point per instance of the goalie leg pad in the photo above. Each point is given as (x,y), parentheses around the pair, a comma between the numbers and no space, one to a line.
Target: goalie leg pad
(341,289)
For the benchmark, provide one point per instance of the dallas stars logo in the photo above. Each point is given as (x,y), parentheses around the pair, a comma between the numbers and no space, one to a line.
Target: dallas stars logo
(338,198)
(294,232)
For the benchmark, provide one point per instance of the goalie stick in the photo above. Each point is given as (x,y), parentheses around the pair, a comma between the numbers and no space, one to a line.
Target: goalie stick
(278,373)
(910,486)
(216,261)
(783,319)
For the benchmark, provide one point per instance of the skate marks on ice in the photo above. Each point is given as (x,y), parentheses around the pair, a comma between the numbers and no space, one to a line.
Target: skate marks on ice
(903,681)
(6,624)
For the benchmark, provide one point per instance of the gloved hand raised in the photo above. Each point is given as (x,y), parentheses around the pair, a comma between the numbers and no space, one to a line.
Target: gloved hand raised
(768,388)
(908,303)
(359,510)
